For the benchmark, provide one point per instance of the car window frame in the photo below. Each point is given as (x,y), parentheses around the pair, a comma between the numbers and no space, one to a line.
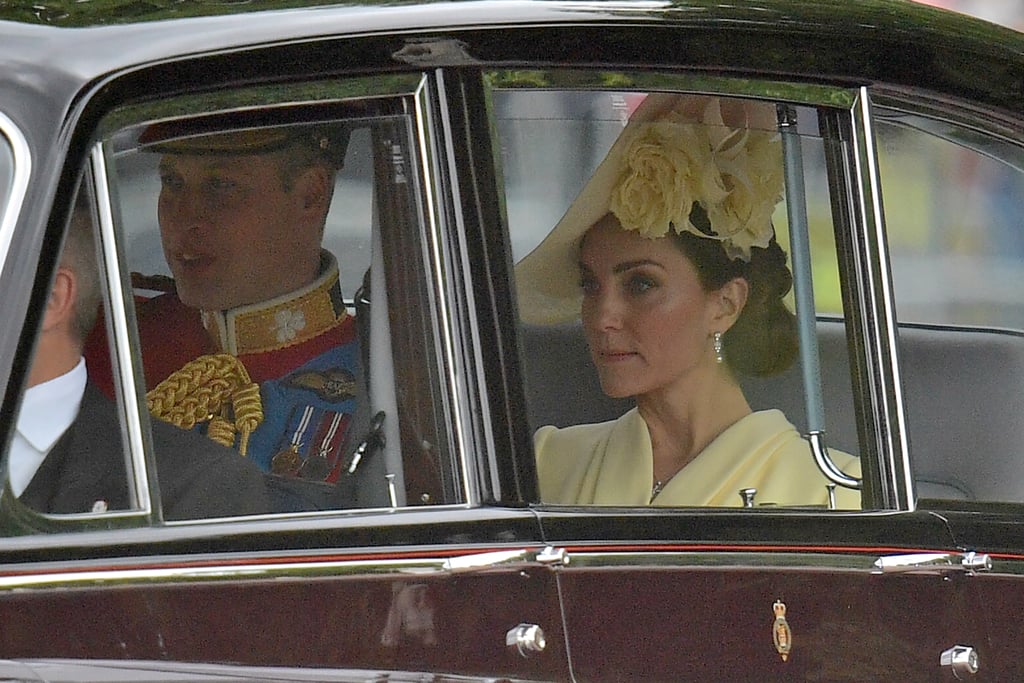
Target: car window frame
(408,103)
(445,244)
(858,222)
(936,117)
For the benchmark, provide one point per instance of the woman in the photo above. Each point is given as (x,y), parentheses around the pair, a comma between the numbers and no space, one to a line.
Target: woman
(679,282)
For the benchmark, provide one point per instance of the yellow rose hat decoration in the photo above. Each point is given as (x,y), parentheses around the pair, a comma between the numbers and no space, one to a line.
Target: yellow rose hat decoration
(676,151)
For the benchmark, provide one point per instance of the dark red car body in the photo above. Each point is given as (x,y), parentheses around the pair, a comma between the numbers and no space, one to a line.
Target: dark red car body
(436,592)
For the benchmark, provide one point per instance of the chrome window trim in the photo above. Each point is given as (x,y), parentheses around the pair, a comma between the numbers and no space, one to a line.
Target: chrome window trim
(437,170)
(879,307)
(443,562)
(848,102)
(959,113)
(19,184)
(423,124)
(142,490)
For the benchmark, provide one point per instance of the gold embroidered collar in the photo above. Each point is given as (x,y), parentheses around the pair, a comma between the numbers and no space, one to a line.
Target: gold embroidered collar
(282,322)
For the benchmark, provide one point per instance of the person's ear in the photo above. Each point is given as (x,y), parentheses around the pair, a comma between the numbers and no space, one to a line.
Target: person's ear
(60,306)
(729,300)
(314,189)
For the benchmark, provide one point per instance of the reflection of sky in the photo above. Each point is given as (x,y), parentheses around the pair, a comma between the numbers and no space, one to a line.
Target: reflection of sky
(550,146)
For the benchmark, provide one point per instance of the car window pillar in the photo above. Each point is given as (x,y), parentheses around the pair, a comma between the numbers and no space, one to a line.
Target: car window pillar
(144,493)
(868,297)
(479,256)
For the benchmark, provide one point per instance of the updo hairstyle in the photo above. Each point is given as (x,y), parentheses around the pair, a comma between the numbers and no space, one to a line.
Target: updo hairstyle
(764,339)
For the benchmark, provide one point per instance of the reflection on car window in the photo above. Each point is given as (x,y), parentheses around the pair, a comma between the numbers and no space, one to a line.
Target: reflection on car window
(67,454)
(652,264)
(280,294)
(954,201)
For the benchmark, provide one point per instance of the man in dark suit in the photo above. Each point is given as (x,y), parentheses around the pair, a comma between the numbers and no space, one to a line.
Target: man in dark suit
(68,455)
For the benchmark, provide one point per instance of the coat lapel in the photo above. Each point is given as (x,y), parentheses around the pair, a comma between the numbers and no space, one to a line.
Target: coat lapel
(85,466)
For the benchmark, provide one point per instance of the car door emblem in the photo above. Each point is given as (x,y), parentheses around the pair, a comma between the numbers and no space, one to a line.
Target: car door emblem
(781,634)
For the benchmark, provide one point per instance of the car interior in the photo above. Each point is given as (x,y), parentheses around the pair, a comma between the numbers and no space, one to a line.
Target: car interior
(975,462)
(953,372)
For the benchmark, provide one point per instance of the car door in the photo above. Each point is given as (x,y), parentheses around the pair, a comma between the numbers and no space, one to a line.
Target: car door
(405,571)
(762,592)
(953,231)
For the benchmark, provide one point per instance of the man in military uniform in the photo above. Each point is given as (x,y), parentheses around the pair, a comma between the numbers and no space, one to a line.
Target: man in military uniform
(241,219)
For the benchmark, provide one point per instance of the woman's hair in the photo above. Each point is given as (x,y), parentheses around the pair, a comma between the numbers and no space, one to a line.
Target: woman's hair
(764,339)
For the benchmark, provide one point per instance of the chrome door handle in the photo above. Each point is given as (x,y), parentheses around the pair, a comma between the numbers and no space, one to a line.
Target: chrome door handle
(938,563)
(961,659)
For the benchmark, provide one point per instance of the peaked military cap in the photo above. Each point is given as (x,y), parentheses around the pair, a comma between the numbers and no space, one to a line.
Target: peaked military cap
(192,137)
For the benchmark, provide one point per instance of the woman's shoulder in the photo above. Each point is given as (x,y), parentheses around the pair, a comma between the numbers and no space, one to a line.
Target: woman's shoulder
(794,478)
(572,462)
(550,436)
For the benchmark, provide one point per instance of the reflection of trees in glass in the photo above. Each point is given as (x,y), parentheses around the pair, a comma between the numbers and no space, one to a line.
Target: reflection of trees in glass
(239,98)
(665,81)
(100,12)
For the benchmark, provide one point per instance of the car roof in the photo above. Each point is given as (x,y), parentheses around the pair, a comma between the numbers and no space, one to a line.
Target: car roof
(189,25)
(52,52)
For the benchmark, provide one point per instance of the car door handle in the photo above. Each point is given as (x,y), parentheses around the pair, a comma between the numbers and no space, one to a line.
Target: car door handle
(933,563)
(474,562)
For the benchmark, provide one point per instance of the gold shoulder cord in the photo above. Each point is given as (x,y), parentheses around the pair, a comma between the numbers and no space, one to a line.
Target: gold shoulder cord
(211,388)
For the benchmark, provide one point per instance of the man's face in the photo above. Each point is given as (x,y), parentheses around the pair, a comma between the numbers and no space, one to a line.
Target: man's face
(232,233)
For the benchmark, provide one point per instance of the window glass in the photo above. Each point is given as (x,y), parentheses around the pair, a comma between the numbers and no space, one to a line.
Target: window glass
(954,200)
(67,455)
(276,325)
(346,231)
(646,334)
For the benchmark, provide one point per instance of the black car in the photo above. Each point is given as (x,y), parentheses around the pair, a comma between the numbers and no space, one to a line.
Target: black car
(419,546)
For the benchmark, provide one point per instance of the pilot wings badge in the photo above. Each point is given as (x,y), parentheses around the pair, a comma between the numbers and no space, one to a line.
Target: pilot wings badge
(333,384)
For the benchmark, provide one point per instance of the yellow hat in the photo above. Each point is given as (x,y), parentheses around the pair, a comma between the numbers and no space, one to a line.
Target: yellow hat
(675,151)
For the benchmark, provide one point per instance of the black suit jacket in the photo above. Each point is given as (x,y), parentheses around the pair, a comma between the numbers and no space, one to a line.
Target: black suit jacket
(198,478)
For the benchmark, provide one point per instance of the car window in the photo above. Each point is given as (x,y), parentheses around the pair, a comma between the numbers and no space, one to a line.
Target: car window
(67,454)
(267,344)
(556,147)
(954,199)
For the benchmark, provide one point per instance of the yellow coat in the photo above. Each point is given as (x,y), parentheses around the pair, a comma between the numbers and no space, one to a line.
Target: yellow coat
(611,463)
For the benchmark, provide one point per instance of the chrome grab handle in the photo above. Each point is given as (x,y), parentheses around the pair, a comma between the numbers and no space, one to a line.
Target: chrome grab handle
(825,464)
(475,562)
(803,294)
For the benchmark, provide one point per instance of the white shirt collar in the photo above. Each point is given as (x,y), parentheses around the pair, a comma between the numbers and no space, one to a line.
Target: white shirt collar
(47,410)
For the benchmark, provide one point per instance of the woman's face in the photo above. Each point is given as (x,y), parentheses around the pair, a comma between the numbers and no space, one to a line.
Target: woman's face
(648,321)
